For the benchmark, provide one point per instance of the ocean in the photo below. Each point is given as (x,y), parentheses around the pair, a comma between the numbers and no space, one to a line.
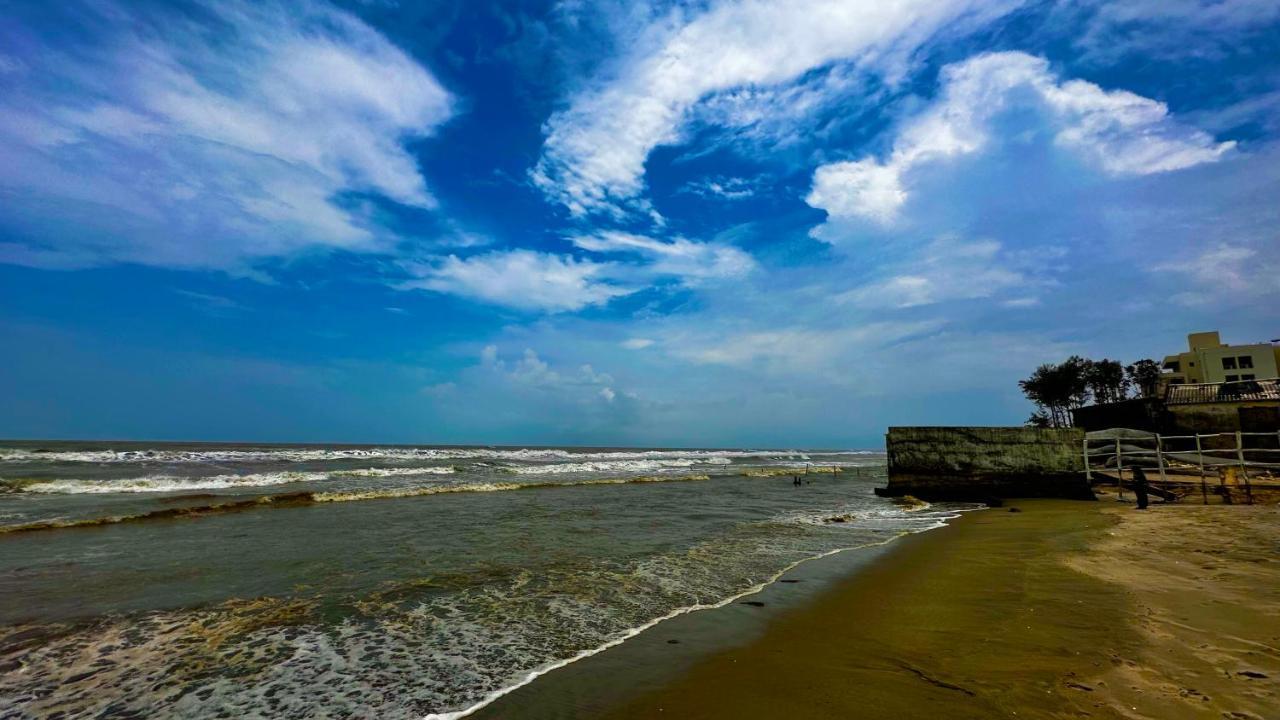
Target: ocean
(227,581)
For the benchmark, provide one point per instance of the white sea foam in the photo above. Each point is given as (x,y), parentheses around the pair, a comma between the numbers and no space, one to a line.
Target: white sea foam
(169,483)
(318,454)
(185,483)
(606,466)
(396,472)
(625,635)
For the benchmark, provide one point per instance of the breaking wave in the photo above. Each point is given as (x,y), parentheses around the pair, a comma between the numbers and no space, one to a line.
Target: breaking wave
(182,483)
(307,497)
(613,466)
(299,454)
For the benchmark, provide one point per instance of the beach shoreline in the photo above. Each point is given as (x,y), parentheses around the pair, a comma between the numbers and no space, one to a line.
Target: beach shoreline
(1045,612)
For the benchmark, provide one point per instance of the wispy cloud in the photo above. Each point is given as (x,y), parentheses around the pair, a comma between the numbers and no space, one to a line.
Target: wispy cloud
(523,279)
(724,188)
(198,148)
(689,261)
(1225,274)
(1119,132)
(946,270)
(549,282)
(594,155)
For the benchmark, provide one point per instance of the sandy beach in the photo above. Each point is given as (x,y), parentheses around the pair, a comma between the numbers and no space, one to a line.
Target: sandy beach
(1060,609)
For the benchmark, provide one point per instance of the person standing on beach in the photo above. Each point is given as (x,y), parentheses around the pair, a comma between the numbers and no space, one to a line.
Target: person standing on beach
(1140,487)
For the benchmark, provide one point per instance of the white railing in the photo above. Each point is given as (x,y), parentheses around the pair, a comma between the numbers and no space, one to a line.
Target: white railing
(1201,454)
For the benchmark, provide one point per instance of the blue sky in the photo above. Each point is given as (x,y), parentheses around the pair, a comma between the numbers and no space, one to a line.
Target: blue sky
(634,223)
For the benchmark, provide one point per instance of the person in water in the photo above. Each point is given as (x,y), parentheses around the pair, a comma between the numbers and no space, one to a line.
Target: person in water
(1140,487)
(796,481)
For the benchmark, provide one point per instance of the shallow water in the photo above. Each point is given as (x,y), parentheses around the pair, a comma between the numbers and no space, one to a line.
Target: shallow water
(387,581)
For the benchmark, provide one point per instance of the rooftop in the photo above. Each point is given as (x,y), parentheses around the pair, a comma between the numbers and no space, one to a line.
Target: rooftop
(1223,392)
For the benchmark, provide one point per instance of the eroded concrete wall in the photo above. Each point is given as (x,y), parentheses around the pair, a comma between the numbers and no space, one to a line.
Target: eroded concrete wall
(979,463)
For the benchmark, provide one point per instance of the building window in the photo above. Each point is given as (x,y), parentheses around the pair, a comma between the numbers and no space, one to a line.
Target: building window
(1249,377)
(1233,378)
(1228,363)
(1246,362)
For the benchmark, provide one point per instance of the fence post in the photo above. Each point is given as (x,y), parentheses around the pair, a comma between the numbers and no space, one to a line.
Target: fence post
(1088,474)
(1248,489)
(1204,486)
(1160,459)
(1119,470)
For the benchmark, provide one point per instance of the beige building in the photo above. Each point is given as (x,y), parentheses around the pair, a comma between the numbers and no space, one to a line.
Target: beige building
(1208,360)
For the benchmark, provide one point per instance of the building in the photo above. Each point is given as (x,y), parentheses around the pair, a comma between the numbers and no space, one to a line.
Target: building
(1211,388)
(1251,406)
(1208,360)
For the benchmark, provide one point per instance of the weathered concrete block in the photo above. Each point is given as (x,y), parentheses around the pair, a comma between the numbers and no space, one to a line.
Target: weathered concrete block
(980,463)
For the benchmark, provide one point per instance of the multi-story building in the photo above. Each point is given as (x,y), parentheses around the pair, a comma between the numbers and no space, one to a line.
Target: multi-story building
(1209,360)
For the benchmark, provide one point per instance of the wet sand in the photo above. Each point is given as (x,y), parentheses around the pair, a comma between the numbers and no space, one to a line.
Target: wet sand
(1061,610)
(1065,609)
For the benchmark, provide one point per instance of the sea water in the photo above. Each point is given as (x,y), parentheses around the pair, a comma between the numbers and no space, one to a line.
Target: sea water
(209,581)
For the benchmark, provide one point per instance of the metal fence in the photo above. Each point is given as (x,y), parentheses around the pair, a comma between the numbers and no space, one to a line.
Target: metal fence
(1233,459)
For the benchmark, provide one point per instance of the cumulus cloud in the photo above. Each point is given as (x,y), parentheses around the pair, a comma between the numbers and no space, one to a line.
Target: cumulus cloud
(529,372)
(523,279)
(196,148)
(1117,131)
(595,150)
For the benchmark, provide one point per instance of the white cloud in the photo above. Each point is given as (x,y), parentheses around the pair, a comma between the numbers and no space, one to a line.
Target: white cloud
(1224,275)
(636,343)
(724,188)
(690,261)
(945,270)
(792,349)
(522,279)
(187,152)
(1118,131)
(595,149)
(531,280)
(864,187)
(530,373)
(1166,28)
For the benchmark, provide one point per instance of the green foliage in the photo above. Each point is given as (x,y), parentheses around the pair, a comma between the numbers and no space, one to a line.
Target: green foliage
(1107,381)
(1058,389)
(1039,419)
(1144,375)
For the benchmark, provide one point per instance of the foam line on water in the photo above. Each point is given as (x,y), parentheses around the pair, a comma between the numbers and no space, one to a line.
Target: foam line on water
(633,632)
(307,497)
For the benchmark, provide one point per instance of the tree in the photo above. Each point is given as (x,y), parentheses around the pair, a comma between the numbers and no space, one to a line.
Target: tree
(1144,375)
(1056,389)
(1039,419)
(1074,376)
(1107,381)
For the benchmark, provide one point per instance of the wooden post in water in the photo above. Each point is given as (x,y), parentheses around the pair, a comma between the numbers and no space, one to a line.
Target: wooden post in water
(1204,486)
(1248,489)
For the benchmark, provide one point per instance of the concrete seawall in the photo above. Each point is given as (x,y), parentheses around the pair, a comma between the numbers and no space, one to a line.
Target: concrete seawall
(980,463)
